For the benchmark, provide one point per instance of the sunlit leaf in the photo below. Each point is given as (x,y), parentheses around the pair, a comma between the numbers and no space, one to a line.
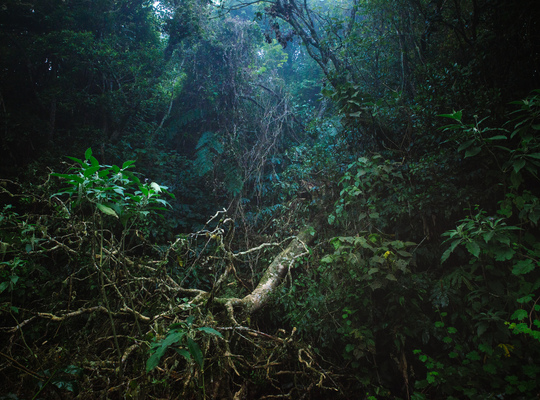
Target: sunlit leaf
(106,210)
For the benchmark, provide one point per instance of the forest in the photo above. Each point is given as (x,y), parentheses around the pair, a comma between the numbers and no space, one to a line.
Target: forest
(270,199)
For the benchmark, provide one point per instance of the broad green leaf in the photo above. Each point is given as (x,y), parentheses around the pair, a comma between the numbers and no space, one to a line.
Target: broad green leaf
(482,328)
(488,235)
(90,171)
(94,161)
(466,145)
(473,355)
(449,251)
(456,115)
(328,259)
(519,164)
(520,315)
(497,137)
(128,164)
(184,353)
(195,352)
(106,210)
(172,338)
(88,153)
(473,151)
(503,253)
(77,160)
(503,148)
(391,277)
(525,299)
(534,155)
(153,361)
(523,267)
(3,286)
(473,248)
(209,330)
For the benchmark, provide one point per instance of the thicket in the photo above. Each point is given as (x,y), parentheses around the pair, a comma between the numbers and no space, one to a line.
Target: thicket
(270,200)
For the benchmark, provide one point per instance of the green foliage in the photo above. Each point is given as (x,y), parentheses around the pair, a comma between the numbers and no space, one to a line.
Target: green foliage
(180,338)
(21,240)
(114,191)
(209,147)
(372,192)
(483,236)
(361,279)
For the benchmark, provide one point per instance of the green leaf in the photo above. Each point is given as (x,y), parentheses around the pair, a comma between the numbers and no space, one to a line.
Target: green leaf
(128,164)
(473,151)
(172,338)
(525,299)
(91,171)
(106,210)
(456,115)
(195,352)
(449,251)
(210,331)
(482,328)
(534,155)
(520,315)
(94,161)
(3,286)
(466,145)
(497,137)
(519,164)
(153,361)
(184,353)
(523,267)
(88,153)
(473,356)
(328,259)
(77,160)
(473,248)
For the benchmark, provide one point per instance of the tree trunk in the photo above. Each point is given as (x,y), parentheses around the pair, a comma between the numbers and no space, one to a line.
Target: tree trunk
(272,277)
(277,269)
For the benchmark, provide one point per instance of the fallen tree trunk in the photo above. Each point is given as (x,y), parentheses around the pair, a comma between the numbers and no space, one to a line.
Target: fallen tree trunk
(272,277)
(277,270)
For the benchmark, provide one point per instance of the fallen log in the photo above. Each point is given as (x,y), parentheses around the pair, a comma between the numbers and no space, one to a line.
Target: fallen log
(272,277)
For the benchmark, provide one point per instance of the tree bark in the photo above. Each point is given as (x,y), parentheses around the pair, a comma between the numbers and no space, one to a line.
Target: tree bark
(272,277)
(277,269)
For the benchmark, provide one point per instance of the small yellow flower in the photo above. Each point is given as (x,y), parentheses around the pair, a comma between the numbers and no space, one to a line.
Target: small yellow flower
(387,254)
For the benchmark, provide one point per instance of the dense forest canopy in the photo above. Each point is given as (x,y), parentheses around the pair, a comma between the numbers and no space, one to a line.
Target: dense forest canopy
(267,199)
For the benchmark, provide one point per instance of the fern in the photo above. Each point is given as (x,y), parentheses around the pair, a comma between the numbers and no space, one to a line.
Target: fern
(181,121)
(208,148)
(233,179)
